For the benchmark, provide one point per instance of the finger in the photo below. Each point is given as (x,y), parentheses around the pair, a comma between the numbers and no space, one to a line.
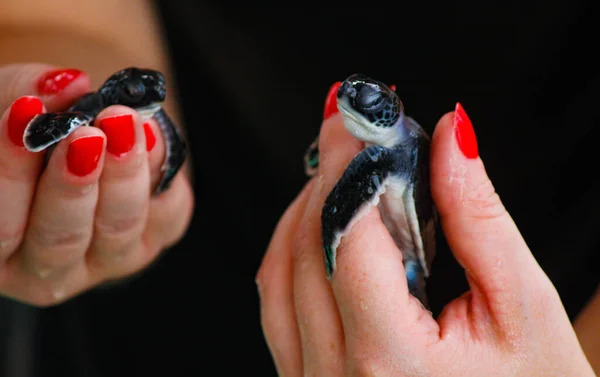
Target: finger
(61,222)
(155,146)
(169,217)
(124,194)
(19,172)
(19,169)
(501,270)
(275,285)
(56,87)
(319,322)
(369,281)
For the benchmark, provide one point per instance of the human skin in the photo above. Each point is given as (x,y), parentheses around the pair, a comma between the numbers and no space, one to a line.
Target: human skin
(364,322)
(76,225)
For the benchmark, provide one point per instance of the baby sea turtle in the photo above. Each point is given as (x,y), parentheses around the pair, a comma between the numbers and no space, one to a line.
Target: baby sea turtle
(392,172)
(144,90)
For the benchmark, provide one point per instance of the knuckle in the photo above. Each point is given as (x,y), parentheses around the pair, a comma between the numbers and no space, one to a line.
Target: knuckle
(484,202)
(265,276)
(301,240)
(121,228)
(72,192)
(9,240)
(269,281)
(47,262)
(53,238)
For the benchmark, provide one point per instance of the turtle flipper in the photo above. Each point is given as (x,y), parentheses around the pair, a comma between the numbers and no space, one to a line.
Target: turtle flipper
(175,150)
(47,129)
(311,158)
(415,277)
(383,177)
(359,188)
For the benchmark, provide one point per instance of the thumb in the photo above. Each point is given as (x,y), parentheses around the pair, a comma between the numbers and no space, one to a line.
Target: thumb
(479,230)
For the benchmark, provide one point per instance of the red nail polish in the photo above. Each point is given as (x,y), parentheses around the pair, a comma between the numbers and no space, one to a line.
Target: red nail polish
(465,135)
(393,87)
(331,101)
(83,155)
(54,81)
(119,132)
(21,113)
(150,138)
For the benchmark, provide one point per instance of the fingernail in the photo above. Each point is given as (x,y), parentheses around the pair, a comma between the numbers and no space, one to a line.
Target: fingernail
(465,135)
(150,138)
(120,134)
(83,155)
(331,101)
(21,113)
(55,81)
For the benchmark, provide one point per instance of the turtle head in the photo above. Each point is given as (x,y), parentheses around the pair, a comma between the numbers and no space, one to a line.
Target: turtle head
(372,111)
(141,89)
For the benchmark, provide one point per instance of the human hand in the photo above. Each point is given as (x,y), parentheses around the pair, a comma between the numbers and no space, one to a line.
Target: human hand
(365,323)
(89,216)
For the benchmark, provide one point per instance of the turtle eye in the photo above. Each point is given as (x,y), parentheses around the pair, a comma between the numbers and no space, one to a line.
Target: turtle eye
(133,90)
(369,99)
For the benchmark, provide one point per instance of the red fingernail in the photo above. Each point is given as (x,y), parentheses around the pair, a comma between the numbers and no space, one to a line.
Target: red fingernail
(54,81)
(331,101)
(150,138)
(83,155)
(465,135)
(393,87)
(119,132)
(21,113)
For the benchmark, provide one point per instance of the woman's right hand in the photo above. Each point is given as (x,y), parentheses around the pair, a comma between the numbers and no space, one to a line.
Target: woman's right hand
(364,321)
(88,217)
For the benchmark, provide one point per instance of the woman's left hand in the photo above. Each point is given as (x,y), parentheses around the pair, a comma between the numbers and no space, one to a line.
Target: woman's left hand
(88,217)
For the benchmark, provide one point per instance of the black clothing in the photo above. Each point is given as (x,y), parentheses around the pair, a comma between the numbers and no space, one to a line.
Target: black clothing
(252,85)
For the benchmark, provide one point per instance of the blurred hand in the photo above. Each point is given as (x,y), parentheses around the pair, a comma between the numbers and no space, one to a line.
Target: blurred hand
(88,217)
(365,323)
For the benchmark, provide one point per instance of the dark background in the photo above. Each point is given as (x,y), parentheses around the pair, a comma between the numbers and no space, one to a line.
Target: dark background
(252,87)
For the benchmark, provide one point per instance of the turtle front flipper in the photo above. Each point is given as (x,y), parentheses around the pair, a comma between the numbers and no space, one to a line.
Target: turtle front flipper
(47,129)
(359,189)
(383,177)
(175,150)
(311,158)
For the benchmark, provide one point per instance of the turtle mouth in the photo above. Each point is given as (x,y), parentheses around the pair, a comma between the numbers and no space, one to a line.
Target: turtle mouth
(350,112)
(356,124)
(362,128)
(147,112)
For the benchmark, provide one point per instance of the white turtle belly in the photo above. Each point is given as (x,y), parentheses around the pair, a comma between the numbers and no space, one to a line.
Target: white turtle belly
(399,215)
